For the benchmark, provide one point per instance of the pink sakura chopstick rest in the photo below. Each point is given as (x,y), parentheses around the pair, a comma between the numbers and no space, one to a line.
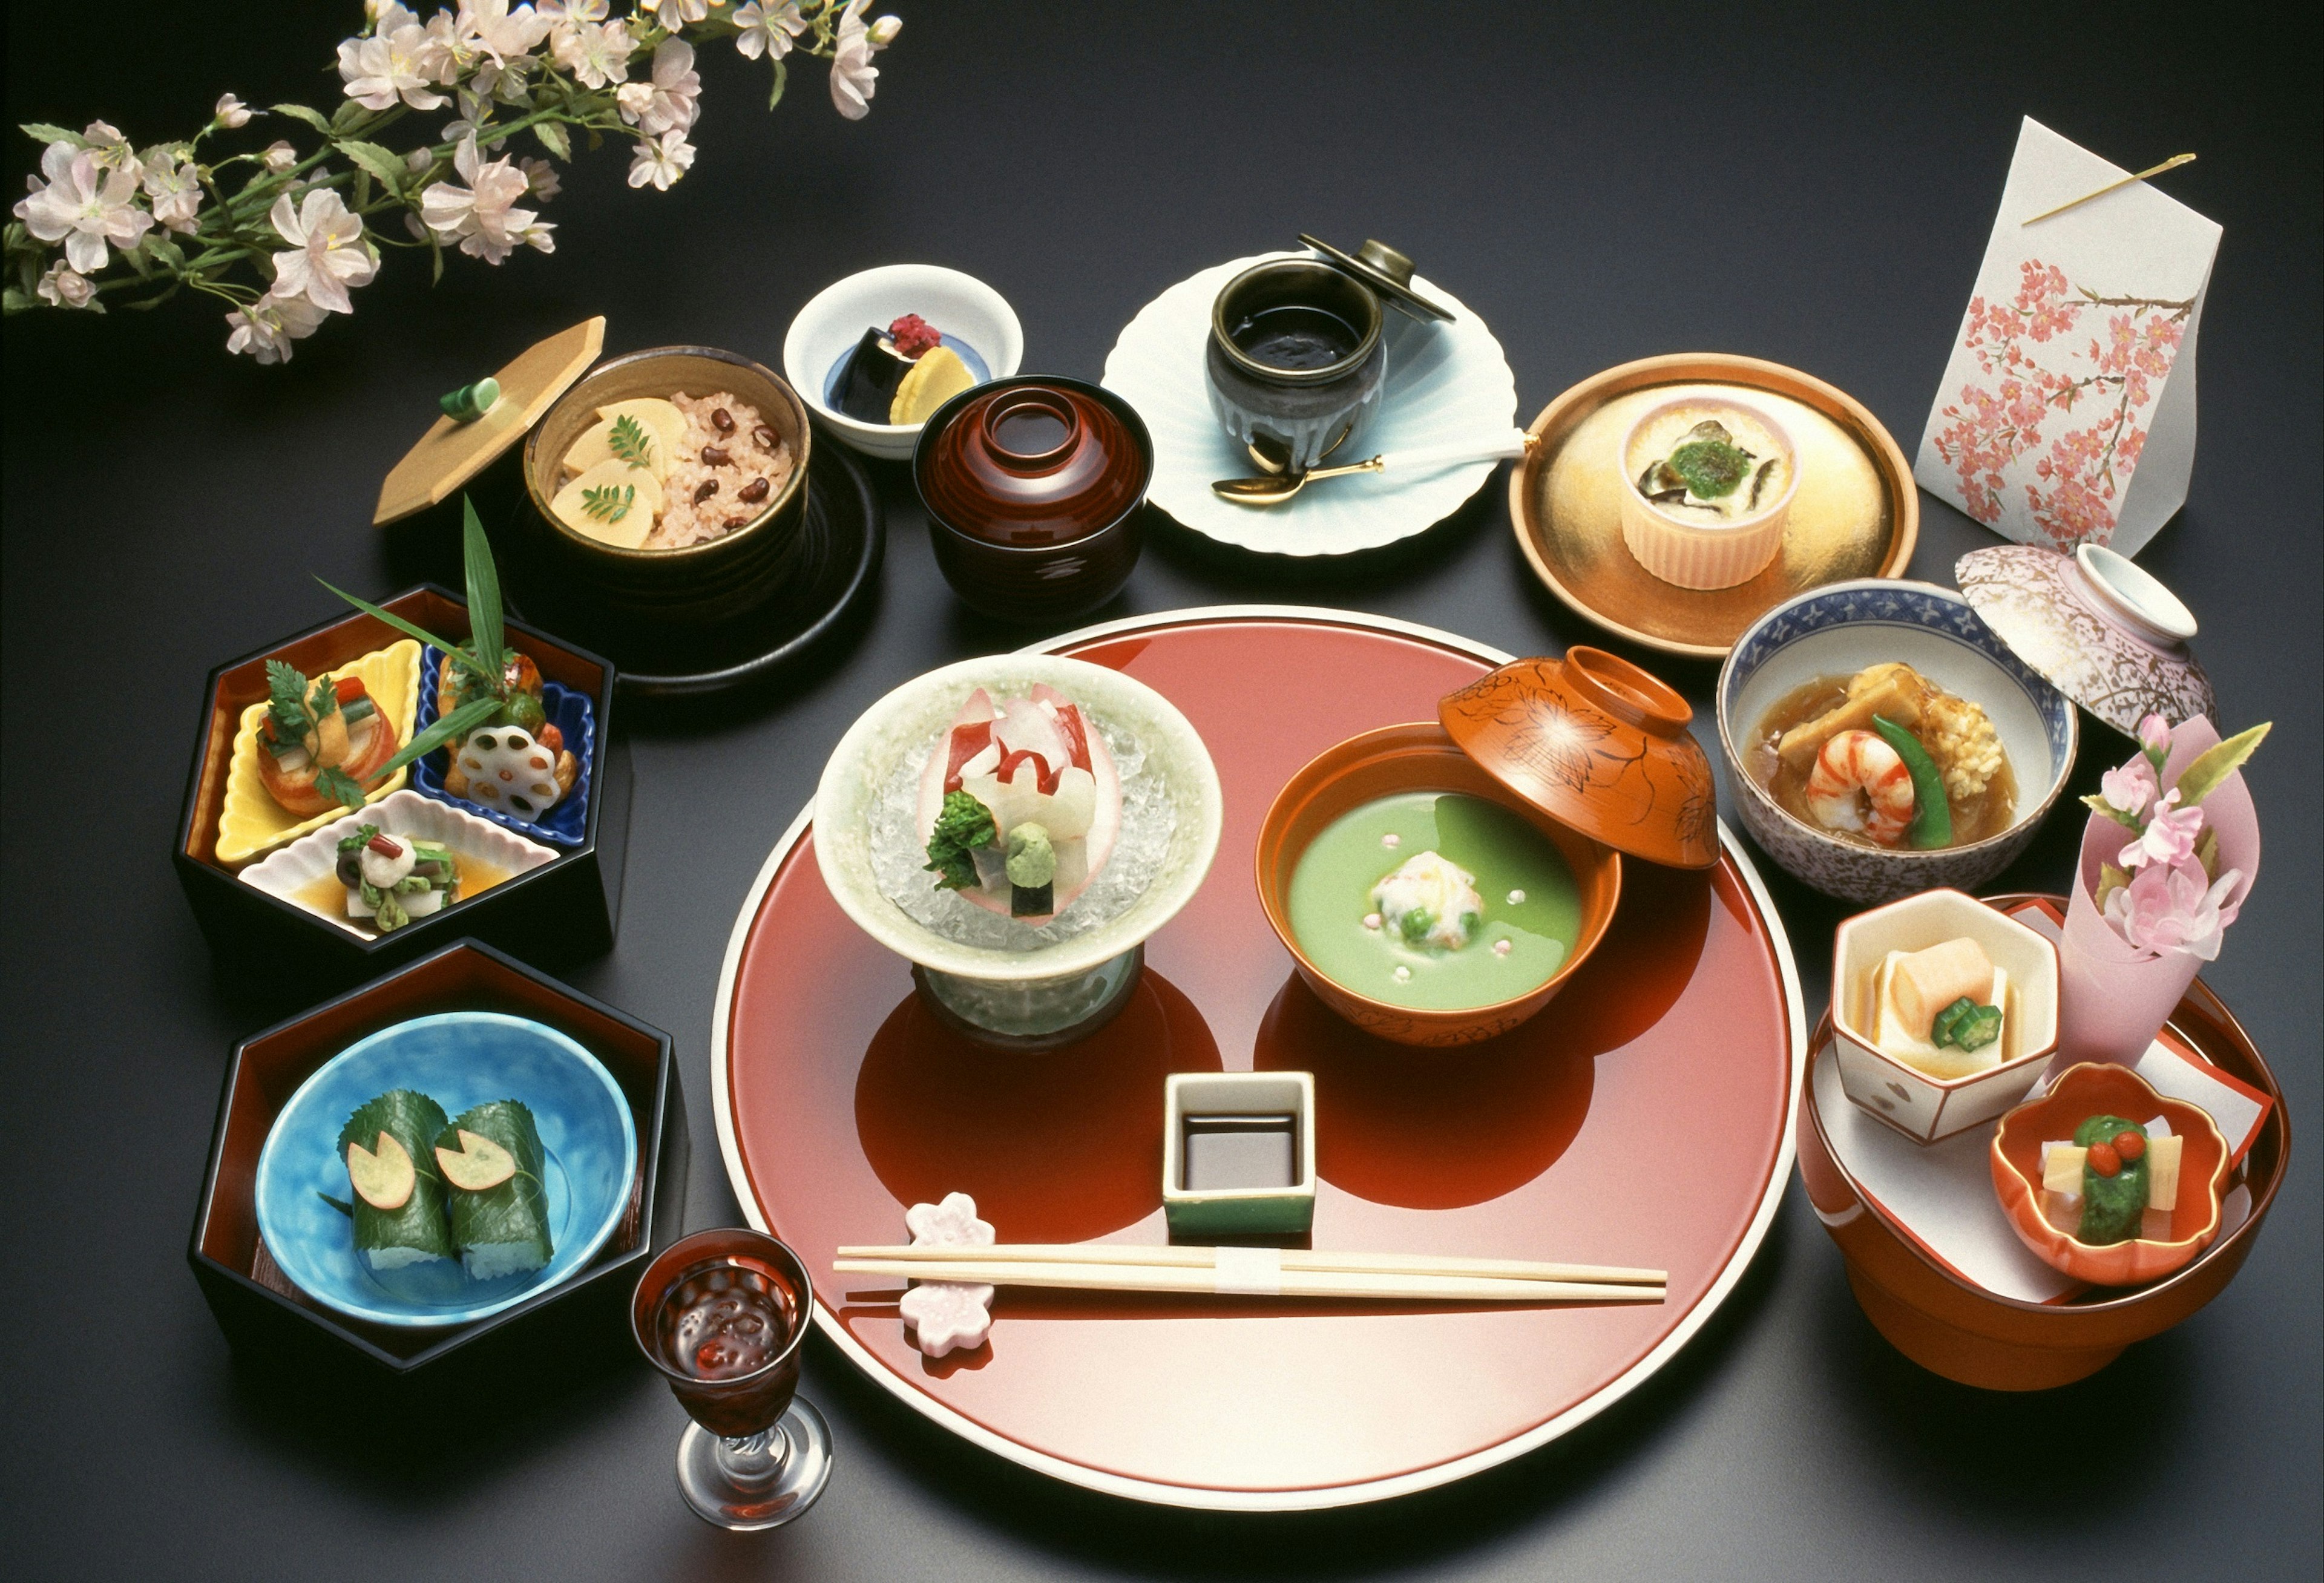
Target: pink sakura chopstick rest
(948,1315)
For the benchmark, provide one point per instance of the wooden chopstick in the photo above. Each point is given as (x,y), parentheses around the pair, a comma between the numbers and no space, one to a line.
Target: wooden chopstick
(1293,1258)
(1205,1280)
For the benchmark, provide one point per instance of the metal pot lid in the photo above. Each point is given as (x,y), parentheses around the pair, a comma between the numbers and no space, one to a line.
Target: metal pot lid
(1386,272)
(1599,745)
(479,423)
(2104,631)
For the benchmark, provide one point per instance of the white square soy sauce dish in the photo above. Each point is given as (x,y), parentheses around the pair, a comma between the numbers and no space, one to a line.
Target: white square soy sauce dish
(1288,1210)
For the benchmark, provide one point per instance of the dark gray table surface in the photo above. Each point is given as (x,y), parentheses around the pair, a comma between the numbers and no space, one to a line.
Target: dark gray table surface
(1815,190)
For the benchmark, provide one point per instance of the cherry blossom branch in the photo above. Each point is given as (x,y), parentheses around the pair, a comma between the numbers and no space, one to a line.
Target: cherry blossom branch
(163,220)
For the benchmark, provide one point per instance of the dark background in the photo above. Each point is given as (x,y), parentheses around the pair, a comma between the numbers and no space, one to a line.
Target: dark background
(1815,190)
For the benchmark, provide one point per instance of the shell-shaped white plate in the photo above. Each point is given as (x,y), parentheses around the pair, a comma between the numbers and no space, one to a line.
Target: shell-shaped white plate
(291,872)
(1446,383)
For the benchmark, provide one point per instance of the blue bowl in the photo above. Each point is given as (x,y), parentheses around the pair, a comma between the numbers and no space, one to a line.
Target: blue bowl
(1839,629)
(459,1059)
(567,824)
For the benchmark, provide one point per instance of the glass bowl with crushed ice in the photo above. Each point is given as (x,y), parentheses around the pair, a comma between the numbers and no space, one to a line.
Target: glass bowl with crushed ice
(1017,827)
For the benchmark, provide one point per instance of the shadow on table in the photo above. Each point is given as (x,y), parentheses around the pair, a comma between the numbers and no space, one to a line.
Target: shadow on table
(1434,1525)
(2035,1464)
(414,1449)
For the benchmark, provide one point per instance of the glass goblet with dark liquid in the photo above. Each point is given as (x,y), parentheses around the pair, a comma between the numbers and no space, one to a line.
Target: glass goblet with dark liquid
(721,1315)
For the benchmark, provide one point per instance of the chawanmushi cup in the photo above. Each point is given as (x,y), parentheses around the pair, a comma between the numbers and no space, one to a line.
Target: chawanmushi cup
(1701,555)
(1312,407)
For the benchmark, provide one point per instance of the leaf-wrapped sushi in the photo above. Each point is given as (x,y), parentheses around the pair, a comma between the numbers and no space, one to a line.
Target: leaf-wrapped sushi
(411,1229)
(491,1160)
(1020,803)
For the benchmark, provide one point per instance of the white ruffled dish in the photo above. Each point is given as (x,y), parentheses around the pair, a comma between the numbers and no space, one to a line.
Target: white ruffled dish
(1446,385)
(292,871)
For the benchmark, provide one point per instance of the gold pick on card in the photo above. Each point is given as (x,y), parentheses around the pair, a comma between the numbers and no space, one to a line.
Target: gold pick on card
(2173,164)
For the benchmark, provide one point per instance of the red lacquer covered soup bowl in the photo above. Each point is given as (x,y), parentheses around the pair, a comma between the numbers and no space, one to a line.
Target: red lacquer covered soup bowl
(2096,1089)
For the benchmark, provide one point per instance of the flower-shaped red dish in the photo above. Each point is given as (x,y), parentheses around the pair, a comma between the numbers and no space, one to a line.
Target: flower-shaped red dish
(2096,1089)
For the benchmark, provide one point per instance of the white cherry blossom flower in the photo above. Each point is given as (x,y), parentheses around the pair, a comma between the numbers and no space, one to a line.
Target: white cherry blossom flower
(174,187)
(266,328)
(596,53)
(489,27)
(674,14)
(399,61)
(541,176)
(66,287)
(83,206)
(670,102)
(884,29)
(112,149)
(853,77)
(660,160)
(509,82)
(279,156)
(565,13)
(231,112)
(327,251)
(481,215)
(768,30)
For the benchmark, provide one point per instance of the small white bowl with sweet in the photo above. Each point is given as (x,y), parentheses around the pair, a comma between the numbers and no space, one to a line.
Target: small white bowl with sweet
(1709,480)
(878,352)
(1943,1012)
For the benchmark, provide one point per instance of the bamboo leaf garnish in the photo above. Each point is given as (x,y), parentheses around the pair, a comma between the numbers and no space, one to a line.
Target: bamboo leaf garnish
(470,716)
(2204,775)
(630,441)
(459,656)
(485,635)
(611,504)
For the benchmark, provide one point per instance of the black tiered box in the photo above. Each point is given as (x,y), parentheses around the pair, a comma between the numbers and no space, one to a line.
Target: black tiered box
(576,1326)
(563,912)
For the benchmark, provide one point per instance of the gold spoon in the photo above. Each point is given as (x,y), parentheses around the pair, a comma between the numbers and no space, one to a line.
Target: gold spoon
(1276,488)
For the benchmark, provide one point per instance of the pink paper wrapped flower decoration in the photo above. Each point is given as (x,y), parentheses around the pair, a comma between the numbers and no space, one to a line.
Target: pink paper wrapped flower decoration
(2170,853)
(946,1315)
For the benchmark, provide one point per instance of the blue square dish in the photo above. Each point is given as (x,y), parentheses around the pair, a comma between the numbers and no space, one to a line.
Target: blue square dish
(568,823)
(459,1059)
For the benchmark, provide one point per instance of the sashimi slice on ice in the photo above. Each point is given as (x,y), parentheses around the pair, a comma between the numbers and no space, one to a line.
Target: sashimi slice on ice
(1036,767)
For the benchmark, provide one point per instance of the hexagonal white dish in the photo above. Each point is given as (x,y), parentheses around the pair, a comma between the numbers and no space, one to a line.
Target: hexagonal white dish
(295,868)
(1447,384)
(1921,1107)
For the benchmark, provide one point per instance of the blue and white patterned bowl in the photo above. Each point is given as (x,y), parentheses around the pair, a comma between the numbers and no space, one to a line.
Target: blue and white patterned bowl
(459,1059)
(1839,629)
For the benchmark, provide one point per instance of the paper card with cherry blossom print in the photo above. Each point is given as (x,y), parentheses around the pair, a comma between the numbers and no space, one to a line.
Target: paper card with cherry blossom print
(2067,414)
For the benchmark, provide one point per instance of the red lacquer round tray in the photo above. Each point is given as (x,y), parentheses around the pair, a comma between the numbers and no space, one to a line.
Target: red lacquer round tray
(1645,1118)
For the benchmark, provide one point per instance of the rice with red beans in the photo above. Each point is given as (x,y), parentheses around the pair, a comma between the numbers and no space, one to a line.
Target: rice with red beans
(732,459)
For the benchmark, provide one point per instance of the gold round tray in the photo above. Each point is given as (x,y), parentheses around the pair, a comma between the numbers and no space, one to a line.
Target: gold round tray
(1855,515)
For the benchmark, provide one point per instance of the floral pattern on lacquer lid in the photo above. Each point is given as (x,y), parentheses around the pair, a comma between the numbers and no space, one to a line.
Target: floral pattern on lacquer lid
(1598,744)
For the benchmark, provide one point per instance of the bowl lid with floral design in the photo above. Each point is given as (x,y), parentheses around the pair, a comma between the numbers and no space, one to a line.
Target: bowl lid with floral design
(1599,745)
(2101,629)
